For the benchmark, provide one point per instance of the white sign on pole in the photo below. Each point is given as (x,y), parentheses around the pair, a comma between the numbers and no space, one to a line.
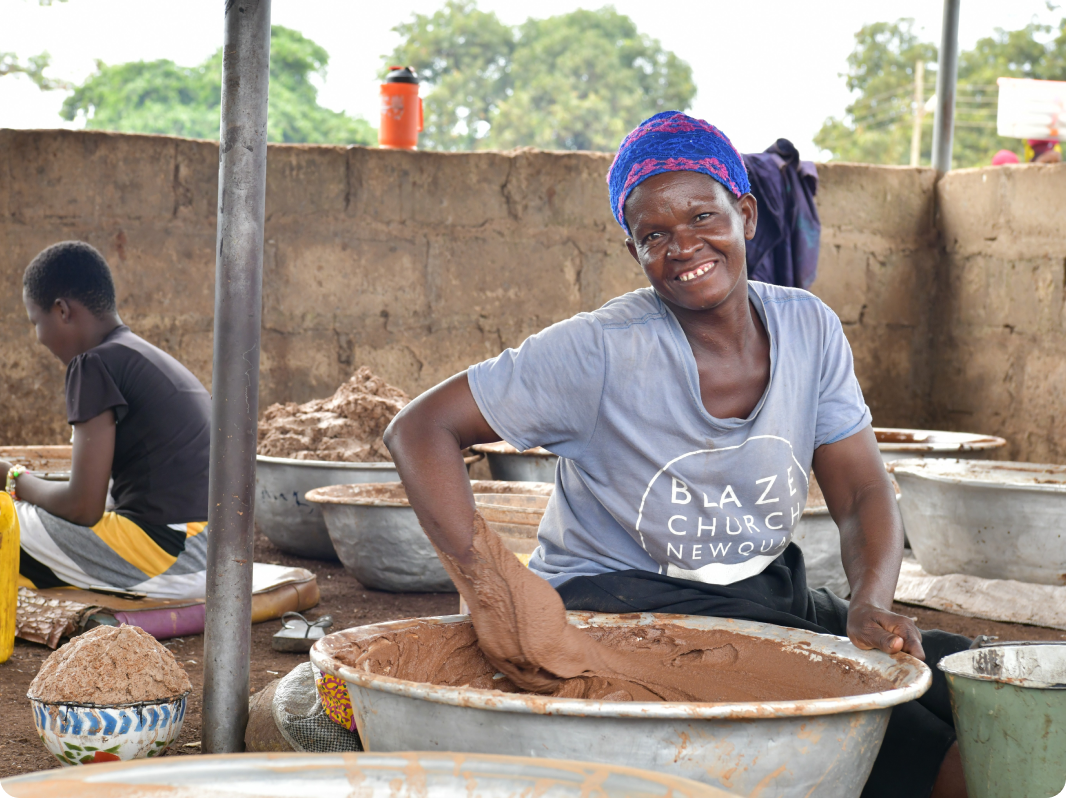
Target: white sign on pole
(1032,109)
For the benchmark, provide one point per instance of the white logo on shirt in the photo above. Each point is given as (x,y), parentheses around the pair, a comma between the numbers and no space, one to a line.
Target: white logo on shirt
(721,515)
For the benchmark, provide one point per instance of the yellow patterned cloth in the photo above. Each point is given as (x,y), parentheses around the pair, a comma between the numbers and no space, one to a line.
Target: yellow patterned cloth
(333,693)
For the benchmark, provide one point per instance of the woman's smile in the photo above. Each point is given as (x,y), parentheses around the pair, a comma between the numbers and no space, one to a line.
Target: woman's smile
(695,272)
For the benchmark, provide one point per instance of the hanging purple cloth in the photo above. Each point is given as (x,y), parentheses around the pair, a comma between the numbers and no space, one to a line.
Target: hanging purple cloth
(785,248)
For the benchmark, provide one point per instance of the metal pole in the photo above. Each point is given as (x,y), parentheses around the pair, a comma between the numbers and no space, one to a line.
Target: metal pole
(919,112)
(235,376)
(946,79)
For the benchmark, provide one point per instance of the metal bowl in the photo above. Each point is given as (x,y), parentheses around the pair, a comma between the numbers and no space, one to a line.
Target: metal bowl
(378,538)
(510,465)
(401,775)
(896,444)
(993,519)
(46,462)
(80,734)
(783,748)
(289,521)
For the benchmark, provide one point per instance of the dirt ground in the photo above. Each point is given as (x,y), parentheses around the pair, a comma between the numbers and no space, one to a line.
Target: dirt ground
(350,604)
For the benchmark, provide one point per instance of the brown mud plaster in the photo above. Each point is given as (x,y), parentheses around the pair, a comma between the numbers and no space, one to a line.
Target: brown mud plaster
(346,427)
(110,665)
(519,641)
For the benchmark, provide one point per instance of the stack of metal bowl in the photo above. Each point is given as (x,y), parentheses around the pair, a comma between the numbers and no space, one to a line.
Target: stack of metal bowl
(379,540)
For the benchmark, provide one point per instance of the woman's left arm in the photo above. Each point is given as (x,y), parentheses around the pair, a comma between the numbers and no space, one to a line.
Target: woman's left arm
(862,501)
(81,500)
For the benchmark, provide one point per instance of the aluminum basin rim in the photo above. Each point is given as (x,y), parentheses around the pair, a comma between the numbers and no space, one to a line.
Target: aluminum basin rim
(1013,681)
(532,704)
(963,441)
(289,461)
(346,502)
(919,472)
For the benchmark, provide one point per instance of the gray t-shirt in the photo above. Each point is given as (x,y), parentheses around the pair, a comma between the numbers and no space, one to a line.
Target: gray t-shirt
(647,478)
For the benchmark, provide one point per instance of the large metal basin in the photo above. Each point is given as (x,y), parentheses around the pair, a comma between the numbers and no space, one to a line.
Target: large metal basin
(823,747)
(898,444)
(407,775)
(508,464)
(378,538)
(282,512)
(1009,704)
(997,520)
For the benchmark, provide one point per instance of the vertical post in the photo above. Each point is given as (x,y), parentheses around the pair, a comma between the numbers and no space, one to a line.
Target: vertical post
(919,112)
(946,79)
(235,376)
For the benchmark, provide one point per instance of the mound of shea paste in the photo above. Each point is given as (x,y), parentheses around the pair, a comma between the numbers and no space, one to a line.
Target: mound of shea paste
(519,625)
(110,665)
(346,427)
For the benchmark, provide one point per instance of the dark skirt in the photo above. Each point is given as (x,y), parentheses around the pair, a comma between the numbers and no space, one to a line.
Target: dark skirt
(919,733)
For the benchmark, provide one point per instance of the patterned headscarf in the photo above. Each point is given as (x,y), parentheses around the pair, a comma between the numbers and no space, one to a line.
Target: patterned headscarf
(673,142)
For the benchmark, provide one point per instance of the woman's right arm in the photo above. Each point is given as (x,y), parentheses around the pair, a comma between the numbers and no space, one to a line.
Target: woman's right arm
(426,440)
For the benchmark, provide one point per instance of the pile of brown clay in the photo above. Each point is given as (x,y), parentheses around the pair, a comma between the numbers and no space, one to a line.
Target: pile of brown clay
(675,664)
(346,427)
(110,665)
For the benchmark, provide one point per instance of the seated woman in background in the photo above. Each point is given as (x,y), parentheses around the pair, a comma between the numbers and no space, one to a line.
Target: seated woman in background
(140,418)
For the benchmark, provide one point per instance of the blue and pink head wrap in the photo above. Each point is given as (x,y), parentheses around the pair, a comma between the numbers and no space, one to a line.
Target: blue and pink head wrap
(673,142)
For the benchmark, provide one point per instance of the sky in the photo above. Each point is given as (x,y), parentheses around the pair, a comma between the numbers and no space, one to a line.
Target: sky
(764,69)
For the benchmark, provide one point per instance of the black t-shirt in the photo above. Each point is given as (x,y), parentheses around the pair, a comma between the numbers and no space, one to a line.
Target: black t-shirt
(163,432)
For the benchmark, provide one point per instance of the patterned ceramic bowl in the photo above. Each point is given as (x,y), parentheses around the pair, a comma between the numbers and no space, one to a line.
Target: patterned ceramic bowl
(78,734)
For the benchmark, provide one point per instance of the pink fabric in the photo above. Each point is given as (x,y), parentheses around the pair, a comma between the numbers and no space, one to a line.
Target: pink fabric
(1003,157)
(163,624)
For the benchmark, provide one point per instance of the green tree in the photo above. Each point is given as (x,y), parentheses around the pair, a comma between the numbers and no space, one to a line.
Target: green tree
(583,80)
(575,81)
(463,58)
(877,125)
(162,97)
(34,66)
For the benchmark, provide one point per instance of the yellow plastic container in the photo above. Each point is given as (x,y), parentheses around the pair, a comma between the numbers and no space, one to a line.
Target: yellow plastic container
(9,574)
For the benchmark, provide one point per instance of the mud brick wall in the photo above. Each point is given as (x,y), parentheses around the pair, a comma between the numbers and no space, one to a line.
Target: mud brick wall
(999,320)
(419,264)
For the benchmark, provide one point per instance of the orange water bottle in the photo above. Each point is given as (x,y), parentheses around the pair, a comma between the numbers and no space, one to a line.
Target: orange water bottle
(401,110)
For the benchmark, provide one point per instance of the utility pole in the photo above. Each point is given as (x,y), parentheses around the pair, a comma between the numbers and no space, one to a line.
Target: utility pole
(946,79)
(919,112)
(235,375)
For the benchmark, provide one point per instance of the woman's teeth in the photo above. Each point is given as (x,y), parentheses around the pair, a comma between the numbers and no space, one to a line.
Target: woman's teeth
(692,275)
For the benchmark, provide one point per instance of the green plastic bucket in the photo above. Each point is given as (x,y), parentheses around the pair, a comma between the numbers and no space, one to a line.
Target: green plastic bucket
(1009,704)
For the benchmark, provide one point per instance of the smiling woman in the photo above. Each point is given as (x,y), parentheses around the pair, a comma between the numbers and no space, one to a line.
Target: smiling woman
(687,417)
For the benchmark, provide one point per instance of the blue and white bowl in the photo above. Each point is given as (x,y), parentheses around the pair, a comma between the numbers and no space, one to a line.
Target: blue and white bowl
(79,734)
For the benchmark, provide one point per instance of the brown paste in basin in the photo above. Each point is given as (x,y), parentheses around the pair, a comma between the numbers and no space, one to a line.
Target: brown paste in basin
(518,640)
(677,664)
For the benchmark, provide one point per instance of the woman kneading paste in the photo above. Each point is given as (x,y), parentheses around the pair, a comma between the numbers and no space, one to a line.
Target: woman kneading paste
(140,418)
(687,417)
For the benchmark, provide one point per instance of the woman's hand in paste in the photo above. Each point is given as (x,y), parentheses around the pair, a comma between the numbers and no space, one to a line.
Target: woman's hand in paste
(871,627)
